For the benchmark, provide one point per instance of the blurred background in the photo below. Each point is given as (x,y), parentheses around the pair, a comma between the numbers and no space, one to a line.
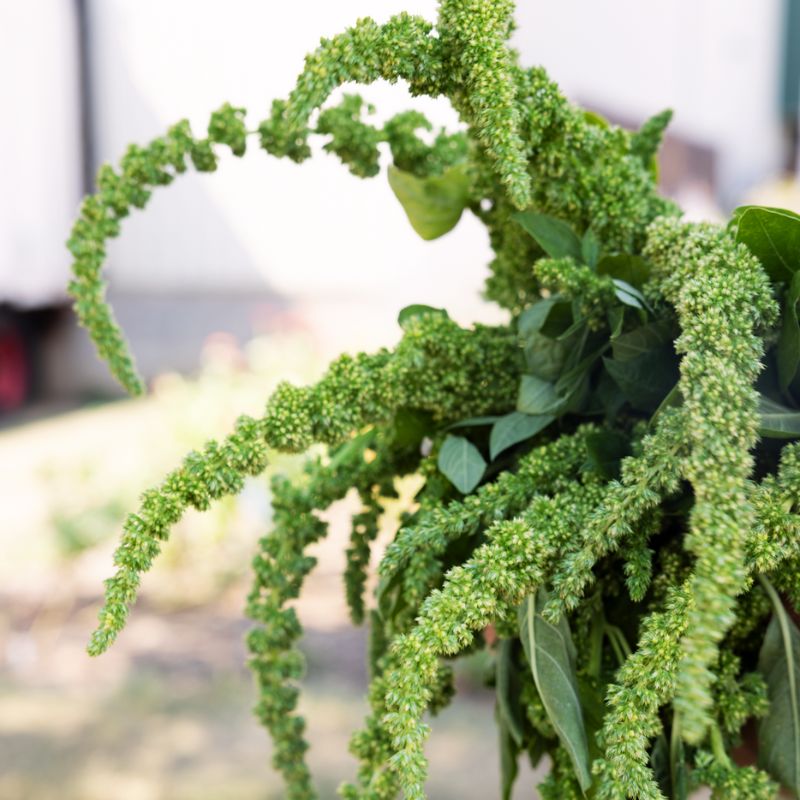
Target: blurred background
(228,283)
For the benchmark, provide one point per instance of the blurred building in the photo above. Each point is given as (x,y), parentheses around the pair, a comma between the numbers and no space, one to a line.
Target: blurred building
(262,243)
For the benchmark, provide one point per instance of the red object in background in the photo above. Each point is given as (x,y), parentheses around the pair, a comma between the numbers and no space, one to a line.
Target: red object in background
(15,365)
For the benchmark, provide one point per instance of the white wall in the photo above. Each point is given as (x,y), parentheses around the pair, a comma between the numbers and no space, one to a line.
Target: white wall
(313,231)
(714,62)
(40,166)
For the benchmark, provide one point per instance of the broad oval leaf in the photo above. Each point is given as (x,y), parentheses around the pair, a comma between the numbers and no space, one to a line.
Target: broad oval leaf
(777,421)
(434,204)
(461,463)
(779,730)
(551,655)
(773,236)
(591,248)
(417,310)
(537,396)
(646,379)
(553,235)
(515,427)
(788,351)
(545,357)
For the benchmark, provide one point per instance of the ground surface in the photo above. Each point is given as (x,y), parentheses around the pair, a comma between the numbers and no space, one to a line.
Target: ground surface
(165,714)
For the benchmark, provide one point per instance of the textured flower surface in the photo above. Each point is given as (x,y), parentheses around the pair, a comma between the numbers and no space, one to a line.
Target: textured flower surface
(603,479)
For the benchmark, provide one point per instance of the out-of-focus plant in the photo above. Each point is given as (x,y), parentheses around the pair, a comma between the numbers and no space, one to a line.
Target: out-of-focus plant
(206,552)
(607,505)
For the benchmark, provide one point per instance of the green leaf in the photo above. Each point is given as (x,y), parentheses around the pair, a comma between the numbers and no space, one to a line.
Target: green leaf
(553,235)
(659,763)
(507,688)
(634,270)
(593,118)
(629,295)
(409,427)
(550,316)
(773,236)
(616,320)
(673,399)
(777,421)
(641,340)
(434,204)
(509,754)
(591,248)
(515,427)
(537,396)
(608,399)
(605,450)
(417,310)
(788,351)
(645,380)
(533,318)
(551,655)
(461,463)
(545,357)
(473,422)
(545,354)
(779,663)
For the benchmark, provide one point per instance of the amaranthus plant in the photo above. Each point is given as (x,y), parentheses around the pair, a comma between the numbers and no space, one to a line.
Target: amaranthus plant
(607,505)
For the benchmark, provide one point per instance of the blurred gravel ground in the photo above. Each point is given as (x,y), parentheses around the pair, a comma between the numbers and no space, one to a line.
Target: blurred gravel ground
(165,714)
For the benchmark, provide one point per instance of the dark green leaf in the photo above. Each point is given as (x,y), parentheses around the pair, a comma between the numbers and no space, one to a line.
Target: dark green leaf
(659,763)
(592,693)
(553,235)
(551,655)
(645,380)
(779,730)
(537,396)
(410,426)
(515,427)
(537,747)
(461,462)
(616,320)
(533,318)
(773,236)
(777,421)
(473,422)
(631,269)
(509,753)
(679,772)
(417,310)
(788,352)
(673,399)
(507,688)
(641,340)
(608,399)
(590,248)
(545,357)
(605,449)
(434,204)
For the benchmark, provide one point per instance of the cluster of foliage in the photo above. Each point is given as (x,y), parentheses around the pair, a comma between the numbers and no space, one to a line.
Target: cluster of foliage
(607,504)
